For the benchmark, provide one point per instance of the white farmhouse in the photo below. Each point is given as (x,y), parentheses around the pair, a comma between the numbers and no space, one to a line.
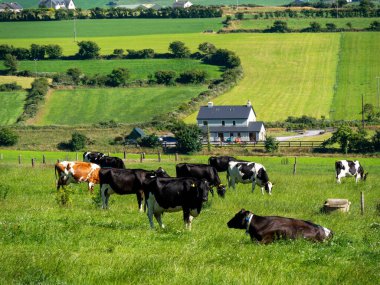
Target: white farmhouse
(57,4)
(230,123)
(182,4)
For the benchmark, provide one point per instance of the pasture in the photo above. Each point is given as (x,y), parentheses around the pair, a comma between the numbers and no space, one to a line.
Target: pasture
(24,82)
(138,68)
(44,243)
(12,105)
(86,106)
(285,74)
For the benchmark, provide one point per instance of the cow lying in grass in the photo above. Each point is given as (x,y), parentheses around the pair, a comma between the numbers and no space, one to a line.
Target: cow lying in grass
(266,229)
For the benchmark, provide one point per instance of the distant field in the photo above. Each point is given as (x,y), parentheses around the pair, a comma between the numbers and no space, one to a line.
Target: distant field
(11,106)
(139,68)
(85,4)
(24,82)
(358,23)
(128,105)
(358,68)
(105,28)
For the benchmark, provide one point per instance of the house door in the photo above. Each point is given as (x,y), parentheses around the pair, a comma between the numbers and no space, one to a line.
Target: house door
(252,137)
(221,137)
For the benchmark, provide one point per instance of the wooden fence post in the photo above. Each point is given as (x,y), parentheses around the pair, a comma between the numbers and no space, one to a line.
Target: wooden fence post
(43,159)
(295,166)
(19,159)
(125,154)
(176,156)
(33,160)
(159,156)
(362,202)
(141,157)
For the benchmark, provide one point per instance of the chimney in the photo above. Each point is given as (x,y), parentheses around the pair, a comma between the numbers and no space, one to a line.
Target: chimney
(249,104)
(210,104)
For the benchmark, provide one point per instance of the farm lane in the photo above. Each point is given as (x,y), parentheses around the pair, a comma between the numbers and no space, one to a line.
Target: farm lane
(308,133)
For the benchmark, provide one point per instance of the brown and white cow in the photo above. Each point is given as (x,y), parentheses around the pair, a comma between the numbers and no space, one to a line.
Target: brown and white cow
(77,172)
(266,229)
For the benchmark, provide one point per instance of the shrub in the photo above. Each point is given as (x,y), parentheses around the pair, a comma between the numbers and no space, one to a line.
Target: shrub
(271,144)
(8,137)
(165,77)
(188,138)
(193,76)
(118,77)
(75,74)
(149,141)
(179,49)
(88,49)
(10,87)
(53,51)
(11,63)
(78,141)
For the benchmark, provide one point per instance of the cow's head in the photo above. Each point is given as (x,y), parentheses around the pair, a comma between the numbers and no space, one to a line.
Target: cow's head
(221,190)
(160,172)
(365,176)
(203,188)
(268,187)
(239,221)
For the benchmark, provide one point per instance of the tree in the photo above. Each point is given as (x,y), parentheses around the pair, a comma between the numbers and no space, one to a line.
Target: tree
(88,49)
(8,137)
(37,51)
(342,136)
(349,25)
(369,112)
(374,26)
(78,141)
(53,51)
(179,49)
(11,63)
(149,141)
(239,16)
(376,141)
(193,77)
(271,144)
(188,138)
(118,77)
(279,27)
(207,48)
(331,27)
(223,57)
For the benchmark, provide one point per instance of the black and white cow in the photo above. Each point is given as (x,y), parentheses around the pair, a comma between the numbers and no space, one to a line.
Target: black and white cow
(92,156)
(125,181)
(175,194)
(248,172)
(103,160)
(202,171)
(345,168)
(266,229)
(220,162)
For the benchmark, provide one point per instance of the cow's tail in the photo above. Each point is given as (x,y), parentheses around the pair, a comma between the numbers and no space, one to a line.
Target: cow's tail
(56,176)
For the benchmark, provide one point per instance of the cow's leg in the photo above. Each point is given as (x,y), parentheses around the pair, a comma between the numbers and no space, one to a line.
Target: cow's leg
(91,187)
(105,195)
(232,183)
(339,176)
(139,196)
(228,179)
(253,185)
(262,190)
(187,218)
(150,201)
(357,177)
(158,216)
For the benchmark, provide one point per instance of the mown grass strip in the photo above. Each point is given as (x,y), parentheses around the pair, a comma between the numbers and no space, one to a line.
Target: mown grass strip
(11,106)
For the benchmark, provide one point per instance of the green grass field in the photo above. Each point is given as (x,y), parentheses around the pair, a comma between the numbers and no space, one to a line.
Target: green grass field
(12,105)
(139,68)
(128,105)
(357,23)
(43,243)
(24,82)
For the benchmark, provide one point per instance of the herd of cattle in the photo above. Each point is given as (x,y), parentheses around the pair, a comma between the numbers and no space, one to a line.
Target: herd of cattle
(187,192)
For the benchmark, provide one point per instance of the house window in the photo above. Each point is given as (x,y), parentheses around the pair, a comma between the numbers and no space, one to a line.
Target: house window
(233,123)
(205,123)
(223,123)
(231,134)
(239,135)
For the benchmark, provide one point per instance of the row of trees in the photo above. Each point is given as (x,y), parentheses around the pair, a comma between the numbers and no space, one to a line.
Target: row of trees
(44,14)
(34,52)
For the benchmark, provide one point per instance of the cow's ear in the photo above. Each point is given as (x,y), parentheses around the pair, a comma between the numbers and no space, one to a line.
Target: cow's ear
(242,210)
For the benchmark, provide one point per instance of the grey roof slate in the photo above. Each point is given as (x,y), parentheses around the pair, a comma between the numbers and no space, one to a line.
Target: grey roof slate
(252,127)
(224,112)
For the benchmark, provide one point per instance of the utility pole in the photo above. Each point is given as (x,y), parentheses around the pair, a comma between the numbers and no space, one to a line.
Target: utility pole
(75,31)
(378,91)
(363,111)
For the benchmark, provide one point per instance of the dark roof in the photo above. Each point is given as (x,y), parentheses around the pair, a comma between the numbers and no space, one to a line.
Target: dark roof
(224,112)
(10,5)
(252,127)
(136,133)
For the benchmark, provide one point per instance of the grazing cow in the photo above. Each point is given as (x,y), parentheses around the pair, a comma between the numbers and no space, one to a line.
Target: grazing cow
(111,162)
(266,229)
(93,157)
(249,172)
(125,181)
(76,172)
(175,194)
(202,171)
(345,168)
(220,162)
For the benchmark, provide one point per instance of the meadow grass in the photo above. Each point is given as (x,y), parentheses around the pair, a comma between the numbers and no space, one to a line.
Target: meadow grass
(284,74)
(24,82)
(128,105)
(44,243)
(12,106)
(357,23)
(356,74)
(138,68)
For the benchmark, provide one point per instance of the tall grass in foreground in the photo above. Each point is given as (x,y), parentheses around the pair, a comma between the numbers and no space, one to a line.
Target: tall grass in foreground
(44,243)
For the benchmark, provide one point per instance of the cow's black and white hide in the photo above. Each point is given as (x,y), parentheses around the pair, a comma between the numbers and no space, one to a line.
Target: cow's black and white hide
(345,168)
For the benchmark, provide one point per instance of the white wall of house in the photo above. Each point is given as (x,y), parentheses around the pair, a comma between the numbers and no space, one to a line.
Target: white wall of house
(71,6)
